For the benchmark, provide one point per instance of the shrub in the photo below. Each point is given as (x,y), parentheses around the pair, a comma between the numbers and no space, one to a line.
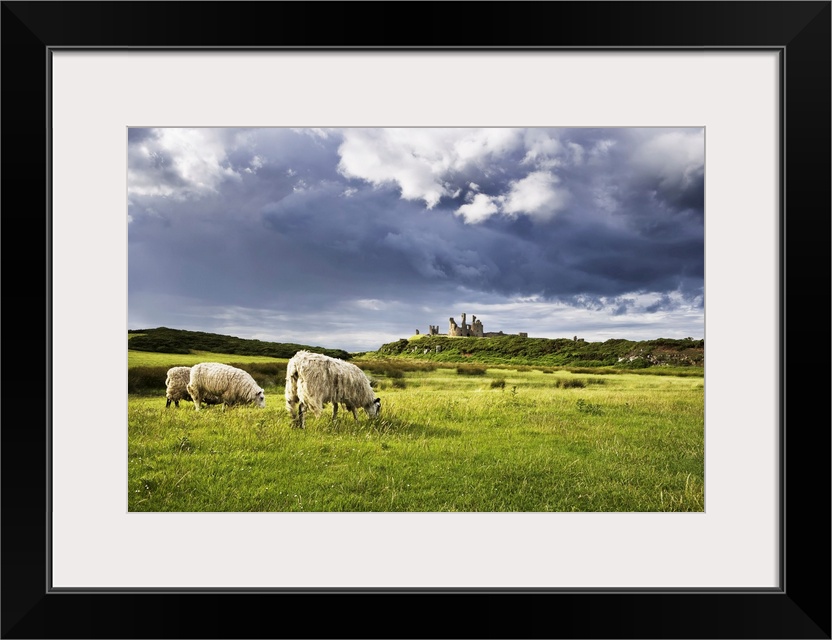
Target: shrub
(264,373)
(499,383)
(146,379)
(470,370)
(399,383)
(392,347)
(570,383)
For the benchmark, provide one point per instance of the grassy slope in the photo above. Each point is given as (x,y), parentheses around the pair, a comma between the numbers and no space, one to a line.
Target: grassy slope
(550,352)
(179,341)
(150,359)
(561,352)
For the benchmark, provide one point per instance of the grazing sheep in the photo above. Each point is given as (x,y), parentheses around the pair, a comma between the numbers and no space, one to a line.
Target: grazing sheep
(176,385)
(224,384)
(313,379)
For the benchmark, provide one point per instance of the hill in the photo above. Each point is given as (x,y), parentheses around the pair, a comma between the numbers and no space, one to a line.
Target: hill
(625,354)
(511,349)
(165,340)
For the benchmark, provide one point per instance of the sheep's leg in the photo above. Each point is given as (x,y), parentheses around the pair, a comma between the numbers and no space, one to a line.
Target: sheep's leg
(354,414)
(175,403)
(167,404)
(294,411)
(300,415)
(334,410)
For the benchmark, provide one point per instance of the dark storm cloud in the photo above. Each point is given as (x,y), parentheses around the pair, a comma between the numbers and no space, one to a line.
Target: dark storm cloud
(136,135)
(353,224)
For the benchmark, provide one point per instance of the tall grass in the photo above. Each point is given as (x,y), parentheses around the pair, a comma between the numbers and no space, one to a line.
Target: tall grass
(500,441)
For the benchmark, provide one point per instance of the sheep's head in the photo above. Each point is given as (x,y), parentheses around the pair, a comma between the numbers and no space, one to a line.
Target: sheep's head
(261,398)
(375,408)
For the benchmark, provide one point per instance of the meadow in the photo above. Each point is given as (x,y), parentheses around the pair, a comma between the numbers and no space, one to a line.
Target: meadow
(450,438)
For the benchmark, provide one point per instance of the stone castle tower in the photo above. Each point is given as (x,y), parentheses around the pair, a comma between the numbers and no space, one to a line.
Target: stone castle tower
(474,329)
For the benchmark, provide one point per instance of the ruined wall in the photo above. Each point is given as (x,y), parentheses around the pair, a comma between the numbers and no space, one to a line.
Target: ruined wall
(463,329)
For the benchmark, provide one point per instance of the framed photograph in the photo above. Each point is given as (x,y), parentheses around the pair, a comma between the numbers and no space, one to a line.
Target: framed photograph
(746,85)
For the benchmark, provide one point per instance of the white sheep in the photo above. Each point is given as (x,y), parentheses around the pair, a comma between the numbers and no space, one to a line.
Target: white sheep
(222,383)
(313,379)
(176,385)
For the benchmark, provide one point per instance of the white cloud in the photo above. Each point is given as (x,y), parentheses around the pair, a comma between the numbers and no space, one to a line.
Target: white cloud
(254,164)
(422,162)
(382,156)
(536,195)
(474,146)
(542,149)
(480,208)
(180,163)
(418,161)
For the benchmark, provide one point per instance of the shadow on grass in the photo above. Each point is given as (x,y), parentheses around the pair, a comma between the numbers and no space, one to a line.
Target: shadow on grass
(381,426)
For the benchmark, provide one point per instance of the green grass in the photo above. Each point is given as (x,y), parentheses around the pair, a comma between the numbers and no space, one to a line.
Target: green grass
(167,360)
(444,442)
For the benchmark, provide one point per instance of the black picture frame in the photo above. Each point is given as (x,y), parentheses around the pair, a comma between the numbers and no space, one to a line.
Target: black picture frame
(800,608)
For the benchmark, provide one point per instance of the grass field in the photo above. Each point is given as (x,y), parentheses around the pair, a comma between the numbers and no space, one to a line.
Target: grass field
(150,359)
(496,440)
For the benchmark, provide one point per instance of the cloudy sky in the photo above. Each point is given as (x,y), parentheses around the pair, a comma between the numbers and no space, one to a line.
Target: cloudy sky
(350,238)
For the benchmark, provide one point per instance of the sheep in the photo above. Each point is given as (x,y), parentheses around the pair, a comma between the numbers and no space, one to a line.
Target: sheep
(176,385)
(224,384)
(313,379)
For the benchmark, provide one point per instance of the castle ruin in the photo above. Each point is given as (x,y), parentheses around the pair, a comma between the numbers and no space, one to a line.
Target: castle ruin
(465,330)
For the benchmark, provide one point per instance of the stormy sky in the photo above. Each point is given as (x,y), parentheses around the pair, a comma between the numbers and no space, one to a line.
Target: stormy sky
(350,238)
